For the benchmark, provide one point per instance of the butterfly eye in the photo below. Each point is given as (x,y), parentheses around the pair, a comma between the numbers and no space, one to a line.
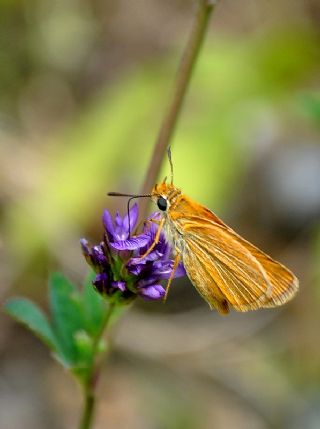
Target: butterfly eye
(162,203)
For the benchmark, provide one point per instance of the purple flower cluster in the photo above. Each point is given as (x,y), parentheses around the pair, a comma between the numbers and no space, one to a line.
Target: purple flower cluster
(117,259)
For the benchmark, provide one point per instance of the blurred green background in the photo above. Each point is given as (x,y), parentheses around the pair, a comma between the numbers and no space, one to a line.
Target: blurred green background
(83,87)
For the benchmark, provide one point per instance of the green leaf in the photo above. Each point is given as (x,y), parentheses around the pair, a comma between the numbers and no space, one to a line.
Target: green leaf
(94,306)
(84,344)
(26,312)
(67,315)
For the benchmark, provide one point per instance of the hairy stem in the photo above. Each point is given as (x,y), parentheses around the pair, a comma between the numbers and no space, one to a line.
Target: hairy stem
(93,373)
(183,77)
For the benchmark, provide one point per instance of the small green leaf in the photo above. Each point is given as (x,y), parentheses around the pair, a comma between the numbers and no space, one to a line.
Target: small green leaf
(94,306)
(26,312)
(67,315)
(83,343)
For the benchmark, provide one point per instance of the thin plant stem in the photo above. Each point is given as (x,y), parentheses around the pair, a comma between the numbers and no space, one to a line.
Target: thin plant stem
(93,373)
(88,411)
(184,73)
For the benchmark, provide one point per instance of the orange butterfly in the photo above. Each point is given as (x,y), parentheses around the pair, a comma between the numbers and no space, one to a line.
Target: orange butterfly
(225,269)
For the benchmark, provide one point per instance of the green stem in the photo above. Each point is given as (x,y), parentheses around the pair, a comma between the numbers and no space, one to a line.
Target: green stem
(93,373)
(183,77)
(88,410)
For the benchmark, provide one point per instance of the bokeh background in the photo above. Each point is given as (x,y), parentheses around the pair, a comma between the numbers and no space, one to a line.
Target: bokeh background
(83,87)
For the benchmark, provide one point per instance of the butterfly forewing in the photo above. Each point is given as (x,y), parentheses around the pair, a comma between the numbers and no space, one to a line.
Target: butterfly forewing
(246,277)
(284,283)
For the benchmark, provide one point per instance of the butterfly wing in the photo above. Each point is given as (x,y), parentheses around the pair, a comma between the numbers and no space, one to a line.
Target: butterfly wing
(284,283)
(226,269)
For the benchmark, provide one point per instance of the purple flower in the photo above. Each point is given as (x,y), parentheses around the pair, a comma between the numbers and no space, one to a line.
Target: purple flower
(119,229)
(117,259)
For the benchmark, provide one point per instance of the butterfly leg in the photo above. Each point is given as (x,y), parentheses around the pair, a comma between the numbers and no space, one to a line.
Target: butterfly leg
(174,269)
(148,222)
(156,239)
(157,221)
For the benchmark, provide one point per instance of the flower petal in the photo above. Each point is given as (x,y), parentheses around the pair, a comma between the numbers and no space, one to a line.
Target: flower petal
(101,282)
(118,220)
(107,222)
(131,243)
(119,285)
(85,247)
(133,217)
(148,281)
(121,233)
(101,277)
(165,274)
(152,256)
(135,269)
(180,271)
(98,257)
(163,269)
(94,255)
(151,293)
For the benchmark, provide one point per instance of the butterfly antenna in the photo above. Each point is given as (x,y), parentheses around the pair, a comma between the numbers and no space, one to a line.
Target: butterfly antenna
(170,161)
(119,194)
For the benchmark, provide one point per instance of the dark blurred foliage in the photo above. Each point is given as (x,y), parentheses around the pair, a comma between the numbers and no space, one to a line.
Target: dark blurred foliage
(83,85)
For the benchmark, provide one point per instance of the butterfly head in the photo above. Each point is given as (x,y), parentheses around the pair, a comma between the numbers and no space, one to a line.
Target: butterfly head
(164,195)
